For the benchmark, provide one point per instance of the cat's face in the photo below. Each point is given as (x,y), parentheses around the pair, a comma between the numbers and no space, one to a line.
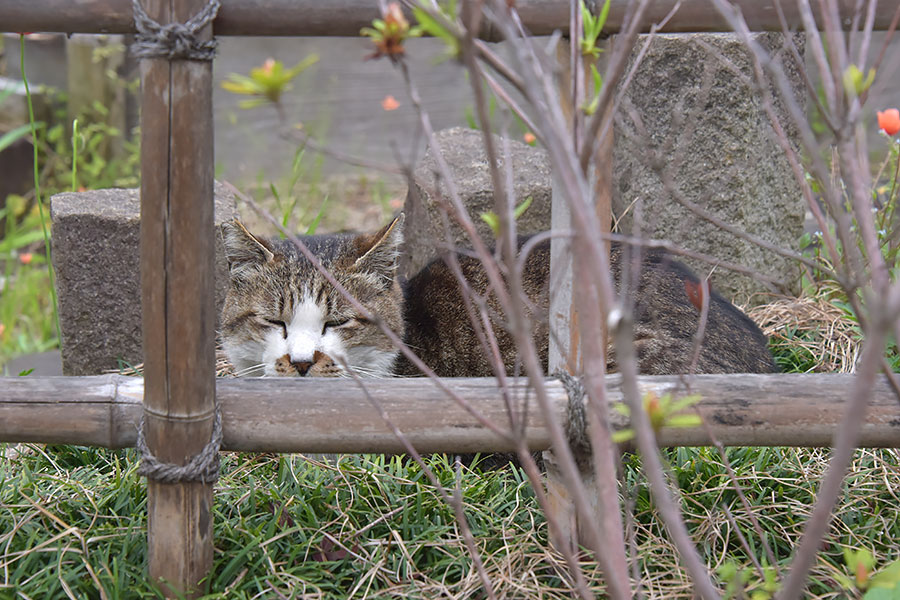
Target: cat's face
(283,318)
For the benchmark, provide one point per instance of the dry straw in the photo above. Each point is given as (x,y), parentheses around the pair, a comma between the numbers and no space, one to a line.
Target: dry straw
(814,324)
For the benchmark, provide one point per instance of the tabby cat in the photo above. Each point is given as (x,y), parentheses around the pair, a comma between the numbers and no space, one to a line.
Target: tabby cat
(283,318)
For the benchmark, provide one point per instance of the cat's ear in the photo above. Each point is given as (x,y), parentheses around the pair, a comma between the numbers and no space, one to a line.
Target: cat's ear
(242,249)
(378,252)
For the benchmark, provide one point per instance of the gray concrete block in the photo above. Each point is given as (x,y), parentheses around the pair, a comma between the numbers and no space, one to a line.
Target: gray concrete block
(701,113)
(463,149)
(96,255)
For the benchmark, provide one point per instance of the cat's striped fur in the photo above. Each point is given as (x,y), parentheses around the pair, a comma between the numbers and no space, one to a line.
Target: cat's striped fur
(283,318)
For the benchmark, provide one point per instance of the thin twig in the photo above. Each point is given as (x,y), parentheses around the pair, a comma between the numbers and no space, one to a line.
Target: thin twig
(454,501)
(845,442)
(677,250)
(703,289)
(621,327)
(504,200)
(616,66)
(303,139)
(745,503)
(658,166)
(531,362)
(743,541)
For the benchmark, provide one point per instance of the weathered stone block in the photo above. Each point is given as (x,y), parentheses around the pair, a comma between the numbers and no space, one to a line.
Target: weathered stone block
(720,152)
(96,255)
(463,149)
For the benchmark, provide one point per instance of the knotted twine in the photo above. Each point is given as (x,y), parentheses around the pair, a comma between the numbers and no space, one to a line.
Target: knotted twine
(203,466)
(174,40)
(576,418)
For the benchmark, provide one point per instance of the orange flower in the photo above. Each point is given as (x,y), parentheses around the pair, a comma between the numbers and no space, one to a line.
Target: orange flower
(390,103)
(2,328)
(395,17)
(389,32)
(26,258)
(889,121)
(529,137)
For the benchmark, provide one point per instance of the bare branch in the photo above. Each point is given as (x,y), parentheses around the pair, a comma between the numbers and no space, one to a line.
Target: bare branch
(621,327)
(845,442)
(454,500)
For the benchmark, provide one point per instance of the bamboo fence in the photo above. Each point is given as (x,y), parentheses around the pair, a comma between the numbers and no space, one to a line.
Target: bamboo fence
(340,416)
(178,392)
(344,18)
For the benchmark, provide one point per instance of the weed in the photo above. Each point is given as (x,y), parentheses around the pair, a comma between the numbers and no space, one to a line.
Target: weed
(37,182)
(371,526)
(28,316)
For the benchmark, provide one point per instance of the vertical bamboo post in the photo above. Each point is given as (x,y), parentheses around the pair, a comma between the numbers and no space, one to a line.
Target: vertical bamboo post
(565,344)
(177,255)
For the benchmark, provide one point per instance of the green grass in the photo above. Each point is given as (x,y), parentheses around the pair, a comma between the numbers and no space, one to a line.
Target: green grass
(27,294)
(793,358)
(282,523)
(73,518)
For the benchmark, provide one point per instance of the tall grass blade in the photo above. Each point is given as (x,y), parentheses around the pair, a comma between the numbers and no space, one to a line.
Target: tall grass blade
(37,185)
(75,155)
(315,224)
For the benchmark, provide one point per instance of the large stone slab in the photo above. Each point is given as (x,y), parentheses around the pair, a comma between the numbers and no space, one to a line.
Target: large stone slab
(96,255)
(721,153)
(463,149)
(694,106)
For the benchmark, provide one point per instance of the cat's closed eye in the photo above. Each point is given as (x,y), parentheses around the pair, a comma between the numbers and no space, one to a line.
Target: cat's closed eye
(276,323)
(345,323)
(335,323)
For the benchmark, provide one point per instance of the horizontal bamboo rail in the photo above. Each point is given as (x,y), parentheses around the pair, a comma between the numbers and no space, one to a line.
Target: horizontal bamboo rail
(319,415)
(346,17)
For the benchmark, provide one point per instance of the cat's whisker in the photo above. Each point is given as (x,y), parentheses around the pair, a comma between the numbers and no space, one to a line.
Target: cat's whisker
(348,371)
(359,372)
(250,370)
